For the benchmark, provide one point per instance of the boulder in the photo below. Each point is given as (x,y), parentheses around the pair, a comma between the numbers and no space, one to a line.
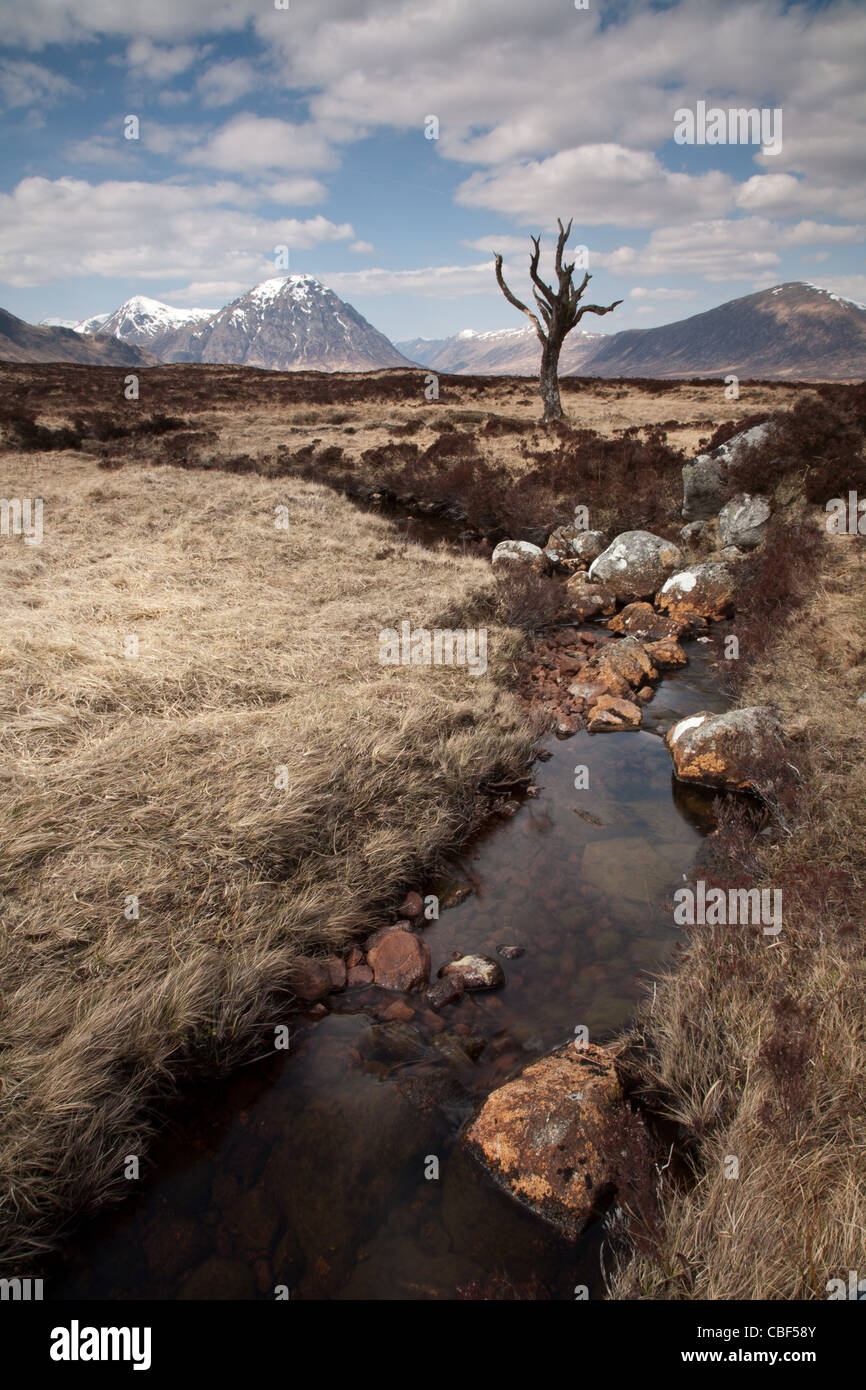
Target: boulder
(588,545)
(691,533)
(642,620)
(625,714)
(553,1137)
(587,599)
(703,591)
(667,655)
(518,553)
(636,565)
(572,543)
(620,666)
(399,960)
(736,751)
(743,521)
(475,972)
(705,479)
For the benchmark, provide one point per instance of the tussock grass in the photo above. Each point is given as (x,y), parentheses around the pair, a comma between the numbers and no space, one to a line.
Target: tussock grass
(755,1046)
(154,776)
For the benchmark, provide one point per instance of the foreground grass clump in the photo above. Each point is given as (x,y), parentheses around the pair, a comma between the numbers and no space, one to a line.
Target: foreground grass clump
(166,650)
(757,1046)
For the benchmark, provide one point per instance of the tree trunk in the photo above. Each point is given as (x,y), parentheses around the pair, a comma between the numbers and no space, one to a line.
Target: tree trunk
(550,382)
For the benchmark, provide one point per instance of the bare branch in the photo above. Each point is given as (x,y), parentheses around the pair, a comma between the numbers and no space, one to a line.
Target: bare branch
(596,309)
(535,277)
(512,299)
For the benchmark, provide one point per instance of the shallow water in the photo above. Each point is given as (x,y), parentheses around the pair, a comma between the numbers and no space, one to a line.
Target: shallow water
(308,1169)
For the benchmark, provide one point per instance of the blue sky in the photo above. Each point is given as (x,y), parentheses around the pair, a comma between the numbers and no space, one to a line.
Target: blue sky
(305,127)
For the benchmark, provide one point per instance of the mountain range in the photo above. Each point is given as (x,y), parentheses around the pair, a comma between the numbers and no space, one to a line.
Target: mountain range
(295,323)
(795,330)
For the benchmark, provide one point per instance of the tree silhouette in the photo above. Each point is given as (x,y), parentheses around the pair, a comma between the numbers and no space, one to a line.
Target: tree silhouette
(559,310)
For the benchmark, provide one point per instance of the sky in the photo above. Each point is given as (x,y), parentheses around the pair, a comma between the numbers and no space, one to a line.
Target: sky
(393,145)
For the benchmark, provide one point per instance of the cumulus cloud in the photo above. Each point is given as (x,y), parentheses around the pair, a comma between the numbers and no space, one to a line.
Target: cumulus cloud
(224,83)
(158,62)
(431,282)
(608,183)
(23,83)
(143,231)
(249,142)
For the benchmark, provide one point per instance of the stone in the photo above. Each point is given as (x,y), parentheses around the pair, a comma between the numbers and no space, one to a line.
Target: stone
(636,565)
(628,714)
(399,960)
(586,690)
(398,1012)
(703,591)
(511,952)
(642,620)
(337,971)
(445,991)
(553,1137)
(605,721)
(743,521)
(517,553)
(412,906)
(560,545)
(311,977)
(691,533)
(736,751)
(476,972)
(587,599)
(667,655)
(705,479)
(621,666)
(359,975)
(640,870)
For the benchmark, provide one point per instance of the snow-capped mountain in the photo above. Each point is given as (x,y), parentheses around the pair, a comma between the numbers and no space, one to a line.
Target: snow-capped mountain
(499,352)
(287,323)
(92,325)
(147,323)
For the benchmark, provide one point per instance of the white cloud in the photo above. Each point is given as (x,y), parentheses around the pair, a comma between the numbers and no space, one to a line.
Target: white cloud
(362,248)
(158,63)
(142,231)
(224,83)
(640,293)
(249,142)
(716,250)
(431,282)
(30,84)
(292,192)
(598,184)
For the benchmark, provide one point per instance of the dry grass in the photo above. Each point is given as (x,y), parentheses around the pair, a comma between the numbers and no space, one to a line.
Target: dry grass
(756,1046)
(154,776)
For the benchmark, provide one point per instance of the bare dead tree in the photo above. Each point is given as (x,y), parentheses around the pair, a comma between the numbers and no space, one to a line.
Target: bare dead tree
(559,311)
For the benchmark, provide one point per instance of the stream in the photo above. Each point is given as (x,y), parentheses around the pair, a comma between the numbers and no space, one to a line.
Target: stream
(334,1169)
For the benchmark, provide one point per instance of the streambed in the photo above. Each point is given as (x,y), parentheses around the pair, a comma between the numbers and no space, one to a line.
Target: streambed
(314,1169)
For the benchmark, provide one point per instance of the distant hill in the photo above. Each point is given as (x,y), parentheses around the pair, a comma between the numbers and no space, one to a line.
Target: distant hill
(500,352)
(27,342)
(796,330)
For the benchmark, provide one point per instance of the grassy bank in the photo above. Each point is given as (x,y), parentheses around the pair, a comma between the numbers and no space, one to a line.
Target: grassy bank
(756,1046)
(147,776)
